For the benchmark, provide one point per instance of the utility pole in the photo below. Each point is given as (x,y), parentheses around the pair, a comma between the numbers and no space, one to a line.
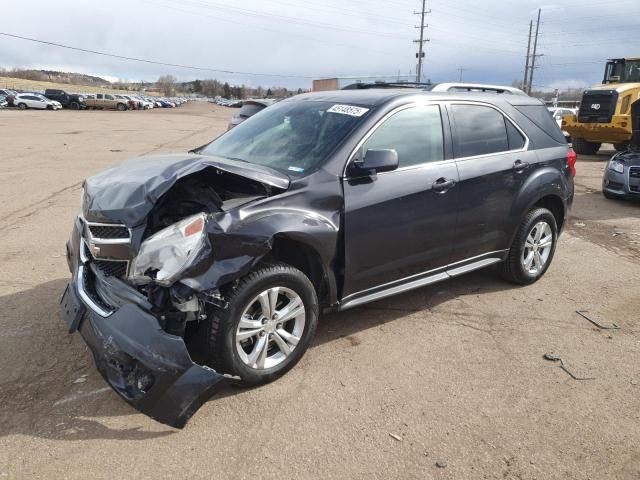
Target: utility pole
(421,41)
(526,64)
(535,55)
(461,70)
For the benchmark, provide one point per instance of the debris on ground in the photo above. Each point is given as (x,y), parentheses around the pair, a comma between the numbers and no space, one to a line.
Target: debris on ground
(441,465)
(82,379)
(583,314)
(395,437)
(556,358)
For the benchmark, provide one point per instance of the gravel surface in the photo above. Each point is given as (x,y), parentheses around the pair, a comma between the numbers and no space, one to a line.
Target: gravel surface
(445,382)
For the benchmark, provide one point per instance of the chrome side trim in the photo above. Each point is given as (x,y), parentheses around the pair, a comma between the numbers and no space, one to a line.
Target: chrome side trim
(86,297)
(406,284)
(438,277)
(473,266)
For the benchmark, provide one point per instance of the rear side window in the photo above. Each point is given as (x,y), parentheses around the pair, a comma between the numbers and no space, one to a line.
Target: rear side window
(543,119)
(516,140)
(479,130)
(414,133)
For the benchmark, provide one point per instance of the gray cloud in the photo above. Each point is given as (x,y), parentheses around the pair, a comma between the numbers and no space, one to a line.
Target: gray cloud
(320,38)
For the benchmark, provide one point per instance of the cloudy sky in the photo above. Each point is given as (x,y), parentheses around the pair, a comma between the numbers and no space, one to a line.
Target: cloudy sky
(294,41)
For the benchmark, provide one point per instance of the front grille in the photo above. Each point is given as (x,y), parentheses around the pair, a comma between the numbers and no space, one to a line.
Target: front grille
(88,286)
(597,106)
(109,232)
(109,268)
(634,179)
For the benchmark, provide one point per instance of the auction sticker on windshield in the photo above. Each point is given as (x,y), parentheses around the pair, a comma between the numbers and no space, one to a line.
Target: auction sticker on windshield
(348,110)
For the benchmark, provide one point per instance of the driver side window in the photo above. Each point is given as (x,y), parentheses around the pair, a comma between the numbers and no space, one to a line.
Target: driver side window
(414,133)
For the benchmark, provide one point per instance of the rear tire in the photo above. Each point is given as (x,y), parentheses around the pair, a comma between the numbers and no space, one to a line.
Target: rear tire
(621,147)
(121,107)
(233,348)
(582,147)
(74,106)
(22,106)
(528,260)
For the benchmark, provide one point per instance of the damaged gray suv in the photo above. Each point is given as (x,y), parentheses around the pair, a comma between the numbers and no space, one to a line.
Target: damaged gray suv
(195,270)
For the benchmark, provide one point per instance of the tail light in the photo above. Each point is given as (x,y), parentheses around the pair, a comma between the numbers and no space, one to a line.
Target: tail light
(572,158)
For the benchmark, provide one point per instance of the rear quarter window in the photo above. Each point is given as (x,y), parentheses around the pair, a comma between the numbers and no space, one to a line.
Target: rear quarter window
(543,119)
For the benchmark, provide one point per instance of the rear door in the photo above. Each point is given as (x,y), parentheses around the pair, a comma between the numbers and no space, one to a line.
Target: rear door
(493,163)
(400,223)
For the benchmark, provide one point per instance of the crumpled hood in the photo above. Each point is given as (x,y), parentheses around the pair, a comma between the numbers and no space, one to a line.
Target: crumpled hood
(127,193)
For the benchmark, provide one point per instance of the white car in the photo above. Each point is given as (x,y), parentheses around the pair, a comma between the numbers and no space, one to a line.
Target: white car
(35,100)
(558,114)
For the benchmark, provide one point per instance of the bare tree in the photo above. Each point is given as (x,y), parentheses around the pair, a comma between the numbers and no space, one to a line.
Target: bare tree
(167,83)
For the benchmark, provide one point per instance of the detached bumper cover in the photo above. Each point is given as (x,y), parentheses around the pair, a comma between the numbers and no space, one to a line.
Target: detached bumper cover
(149,368)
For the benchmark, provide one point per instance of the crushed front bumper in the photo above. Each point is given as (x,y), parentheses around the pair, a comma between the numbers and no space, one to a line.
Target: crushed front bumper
(151,369)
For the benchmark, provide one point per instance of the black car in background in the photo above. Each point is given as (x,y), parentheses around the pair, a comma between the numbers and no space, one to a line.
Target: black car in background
(73,101)
(248,109)
(323,202)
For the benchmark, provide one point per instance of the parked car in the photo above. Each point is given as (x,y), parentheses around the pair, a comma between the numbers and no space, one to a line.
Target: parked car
(9,94)
(3,101)
(558,114)
(322,202)
(73,101)
(164,103)
(35,100)
(107,101)
(621,179)
(248,109)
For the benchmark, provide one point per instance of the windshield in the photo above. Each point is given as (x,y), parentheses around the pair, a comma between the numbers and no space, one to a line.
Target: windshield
(292,136)
(629,71)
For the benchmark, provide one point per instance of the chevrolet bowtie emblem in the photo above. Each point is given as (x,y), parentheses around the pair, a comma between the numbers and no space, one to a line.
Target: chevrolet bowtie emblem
(94,249)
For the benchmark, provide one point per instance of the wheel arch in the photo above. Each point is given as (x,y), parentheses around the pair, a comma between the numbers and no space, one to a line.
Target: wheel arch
(306,258)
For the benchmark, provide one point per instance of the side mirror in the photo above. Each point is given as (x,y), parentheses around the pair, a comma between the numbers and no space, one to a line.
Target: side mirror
(375,161)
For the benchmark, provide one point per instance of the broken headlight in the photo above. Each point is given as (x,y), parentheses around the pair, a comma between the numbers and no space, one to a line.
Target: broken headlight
(167,253)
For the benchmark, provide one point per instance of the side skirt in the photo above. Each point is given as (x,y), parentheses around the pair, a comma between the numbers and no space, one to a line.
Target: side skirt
(427,278)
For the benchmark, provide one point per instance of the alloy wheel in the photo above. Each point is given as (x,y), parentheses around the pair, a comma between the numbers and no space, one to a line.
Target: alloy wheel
(537,248)
(270,328)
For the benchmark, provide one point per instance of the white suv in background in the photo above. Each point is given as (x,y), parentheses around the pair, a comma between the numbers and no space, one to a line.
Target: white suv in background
(35,100)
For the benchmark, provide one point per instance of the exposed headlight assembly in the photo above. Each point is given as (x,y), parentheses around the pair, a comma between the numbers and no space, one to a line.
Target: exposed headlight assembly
(616,166)
(167,253)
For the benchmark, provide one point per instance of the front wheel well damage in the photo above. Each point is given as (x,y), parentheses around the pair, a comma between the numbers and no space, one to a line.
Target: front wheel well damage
(305,259)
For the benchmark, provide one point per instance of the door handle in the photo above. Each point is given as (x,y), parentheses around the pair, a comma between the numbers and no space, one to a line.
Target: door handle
(442,184)
(520,166)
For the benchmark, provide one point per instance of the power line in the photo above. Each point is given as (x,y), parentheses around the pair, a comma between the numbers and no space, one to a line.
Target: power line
(154,62)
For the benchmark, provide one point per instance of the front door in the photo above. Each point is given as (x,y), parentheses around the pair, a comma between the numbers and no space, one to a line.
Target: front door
(400,224)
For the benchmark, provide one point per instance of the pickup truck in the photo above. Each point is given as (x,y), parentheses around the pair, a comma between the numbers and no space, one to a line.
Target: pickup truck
(73,101)
(107,101)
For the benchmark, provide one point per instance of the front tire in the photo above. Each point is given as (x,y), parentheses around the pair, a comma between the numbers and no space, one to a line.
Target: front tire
(22,106)
(532,249)
(121,107)
(270,320)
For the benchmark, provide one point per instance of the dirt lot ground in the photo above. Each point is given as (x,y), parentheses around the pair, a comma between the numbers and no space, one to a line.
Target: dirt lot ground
(449,375)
